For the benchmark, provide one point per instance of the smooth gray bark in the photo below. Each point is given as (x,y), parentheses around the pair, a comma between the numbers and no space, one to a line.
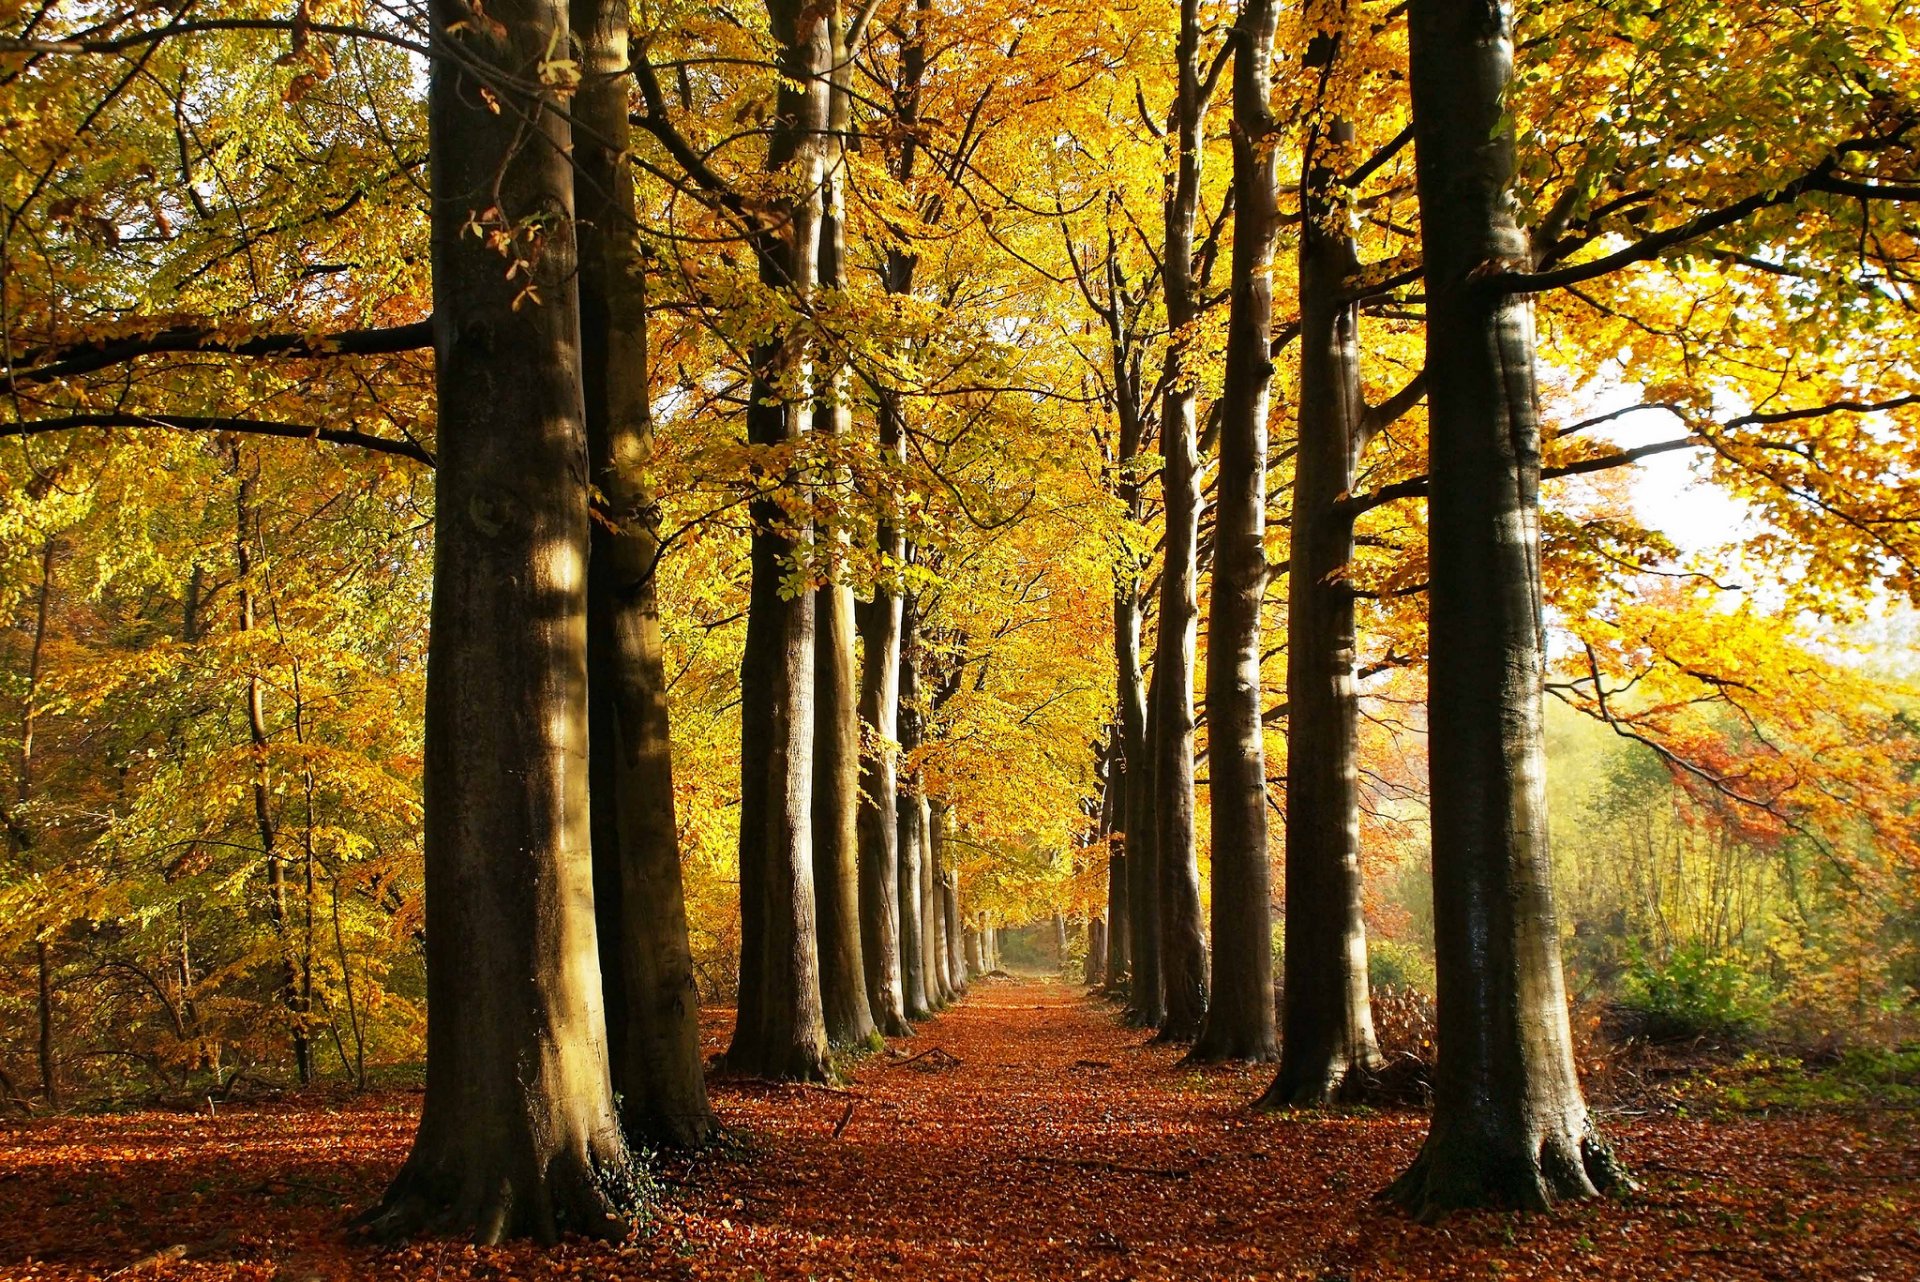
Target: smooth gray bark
(780,1031)
(517,1135)
(1510,1126)
(646,960)
(1239,1020)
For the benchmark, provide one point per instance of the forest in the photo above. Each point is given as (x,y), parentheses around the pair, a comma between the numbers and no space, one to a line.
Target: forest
(952,638)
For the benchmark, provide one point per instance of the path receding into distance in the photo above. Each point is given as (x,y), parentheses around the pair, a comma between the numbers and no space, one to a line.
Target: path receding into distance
(1024,1134)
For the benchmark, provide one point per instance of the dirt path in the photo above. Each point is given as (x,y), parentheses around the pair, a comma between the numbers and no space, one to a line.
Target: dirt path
(1052,1144)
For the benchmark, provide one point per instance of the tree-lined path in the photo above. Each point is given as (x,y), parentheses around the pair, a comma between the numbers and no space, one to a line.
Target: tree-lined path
(1033,1137)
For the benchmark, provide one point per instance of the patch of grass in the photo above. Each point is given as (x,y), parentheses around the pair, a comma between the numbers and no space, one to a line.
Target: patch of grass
(1770,1081)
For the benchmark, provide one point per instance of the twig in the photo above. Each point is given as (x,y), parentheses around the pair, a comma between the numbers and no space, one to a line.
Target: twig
(945,1055)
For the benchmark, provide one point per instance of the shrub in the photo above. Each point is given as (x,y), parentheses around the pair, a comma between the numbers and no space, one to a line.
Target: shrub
(1694,993)
(1392,964)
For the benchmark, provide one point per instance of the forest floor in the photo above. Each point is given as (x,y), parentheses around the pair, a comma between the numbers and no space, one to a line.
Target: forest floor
(1043,1140)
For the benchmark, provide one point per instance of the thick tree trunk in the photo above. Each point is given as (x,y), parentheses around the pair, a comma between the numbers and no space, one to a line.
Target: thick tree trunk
(246,517)
(976,964)
(518,1133)
(646,961)
(1239,1022)
(1510,1126)
(1183,945)
(780,1031)
(1146,1003)
(1329,1047)
(836,741)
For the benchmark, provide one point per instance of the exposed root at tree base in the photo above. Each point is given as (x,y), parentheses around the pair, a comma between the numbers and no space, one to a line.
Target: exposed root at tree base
(1464,1172)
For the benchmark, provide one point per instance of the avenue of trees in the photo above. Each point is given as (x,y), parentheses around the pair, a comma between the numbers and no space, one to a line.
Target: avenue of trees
(522,517)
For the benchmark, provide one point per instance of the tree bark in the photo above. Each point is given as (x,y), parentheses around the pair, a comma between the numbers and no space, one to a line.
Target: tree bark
(878,823)
(1095,968)
(1510,1126)
(780,1030)
(1146,1006)
(836,741)
(1117,956)
(1183,946)
(909,825)
(518,1134)
(1239,1021)
(646,960)
(1329,1048)
(938,995)
(954,954)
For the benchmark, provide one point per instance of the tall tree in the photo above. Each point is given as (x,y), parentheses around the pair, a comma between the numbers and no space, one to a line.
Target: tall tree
(1509,1122)
(518,1133)
(1329,1045)
(1183,945)
(836,741)
(1239,1020)
(646,959)
(781,1032)
(909,833)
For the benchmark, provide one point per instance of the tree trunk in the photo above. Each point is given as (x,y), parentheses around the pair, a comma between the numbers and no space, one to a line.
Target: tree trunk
(953,954)
(878,822)
(646,961)
(938,995)
(909,825)
(1510,1126)
(836,735)
(1329,1048)
(1183,947)
(1239,1022)
(1117,958)
(246,523)
(1146,1006)
(518,1133)
(1095,968)
(780,1031)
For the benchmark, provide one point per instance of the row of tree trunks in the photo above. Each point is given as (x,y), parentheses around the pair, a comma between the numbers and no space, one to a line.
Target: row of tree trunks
(1239,1020)
(518,1134)
(646,962)
(1183,946)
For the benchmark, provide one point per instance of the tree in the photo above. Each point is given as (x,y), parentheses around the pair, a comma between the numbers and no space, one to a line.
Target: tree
(518,1133)
(646,963)
(1239,1020)
(781,1031)
(1510,1124)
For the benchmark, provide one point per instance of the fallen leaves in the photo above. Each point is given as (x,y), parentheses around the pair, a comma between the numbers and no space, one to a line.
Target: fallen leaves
(1014,1162)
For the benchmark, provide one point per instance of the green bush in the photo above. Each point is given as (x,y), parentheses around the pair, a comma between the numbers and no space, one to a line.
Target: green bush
(1392,964)
(1694,993)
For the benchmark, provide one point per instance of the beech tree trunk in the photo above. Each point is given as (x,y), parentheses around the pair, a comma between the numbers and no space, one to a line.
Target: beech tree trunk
(910,827)
(1329,1045)
(517,1134)
(836,742)
(1096,964)
(878,823)
(1239,1021)
(1510,1126)
(938,994)
(1146,1006)
(780,1031)
(1183,945)
(949,895)
(1117,959)
(646,961)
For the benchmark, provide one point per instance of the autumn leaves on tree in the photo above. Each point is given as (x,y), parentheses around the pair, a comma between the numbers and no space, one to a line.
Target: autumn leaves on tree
(910,469)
